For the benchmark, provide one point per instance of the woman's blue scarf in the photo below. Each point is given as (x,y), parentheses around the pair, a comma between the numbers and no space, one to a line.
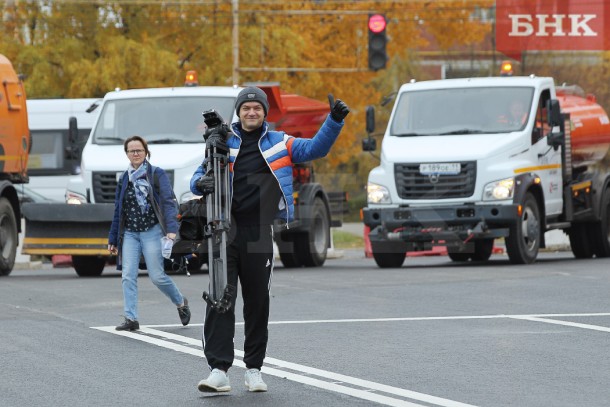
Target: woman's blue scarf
(140,183)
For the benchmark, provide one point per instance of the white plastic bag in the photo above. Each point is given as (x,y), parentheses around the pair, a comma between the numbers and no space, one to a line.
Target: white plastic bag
(166,247)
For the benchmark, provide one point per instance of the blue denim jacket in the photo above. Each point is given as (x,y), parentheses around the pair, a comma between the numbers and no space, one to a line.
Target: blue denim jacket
(163,202)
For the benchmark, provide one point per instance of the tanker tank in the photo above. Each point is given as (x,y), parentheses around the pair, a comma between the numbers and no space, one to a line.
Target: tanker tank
(589,123)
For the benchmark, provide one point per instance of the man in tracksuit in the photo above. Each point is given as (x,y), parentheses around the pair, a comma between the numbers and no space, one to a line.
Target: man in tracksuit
(260,167)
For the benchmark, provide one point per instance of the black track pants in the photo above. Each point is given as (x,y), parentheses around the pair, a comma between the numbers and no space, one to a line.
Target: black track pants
(249,258)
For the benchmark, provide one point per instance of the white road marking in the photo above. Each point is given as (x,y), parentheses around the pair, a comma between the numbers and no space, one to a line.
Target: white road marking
(325,374)
(367,390)
(565,323)
(456,317)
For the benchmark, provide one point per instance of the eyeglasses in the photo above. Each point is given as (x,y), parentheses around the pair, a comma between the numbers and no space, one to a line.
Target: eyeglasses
(134,152)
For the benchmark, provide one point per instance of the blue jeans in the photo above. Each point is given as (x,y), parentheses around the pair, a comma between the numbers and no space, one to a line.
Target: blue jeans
(147,243)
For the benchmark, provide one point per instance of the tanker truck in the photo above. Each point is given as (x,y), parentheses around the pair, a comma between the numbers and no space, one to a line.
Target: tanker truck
(460,167)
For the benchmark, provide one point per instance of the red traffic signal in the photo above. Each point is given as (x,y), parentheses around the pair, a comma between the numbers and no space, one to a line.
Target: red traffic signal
(377,23)
(377,42)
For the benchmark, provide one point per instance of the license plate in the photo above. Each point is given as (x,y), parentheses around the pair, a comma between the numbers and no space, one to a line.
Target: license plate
(440,168)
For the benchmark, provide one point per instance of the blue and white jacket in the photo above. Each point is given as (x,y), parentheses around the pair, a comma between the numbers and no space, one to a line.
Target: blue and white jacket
(280,150)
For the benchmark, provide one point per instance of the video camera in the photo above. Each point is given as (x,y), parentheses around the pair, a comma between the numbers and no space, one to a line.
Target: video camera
(216,126)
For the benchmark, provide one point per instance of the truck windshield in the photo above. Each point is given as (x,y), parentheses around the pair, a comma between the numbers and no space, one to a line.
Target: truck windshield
(159,120)
(475,110)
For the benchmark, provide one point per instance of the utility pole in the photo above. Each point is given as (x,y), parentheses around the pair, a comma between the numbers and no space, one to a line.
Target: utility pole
(235,42)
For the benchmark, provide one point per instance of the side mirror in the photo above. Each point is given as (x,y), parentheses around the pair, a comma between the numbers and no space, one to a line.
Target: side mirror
(555,119)
(553,112)
(370,119)
(369,143)
(72,152)
(72,130)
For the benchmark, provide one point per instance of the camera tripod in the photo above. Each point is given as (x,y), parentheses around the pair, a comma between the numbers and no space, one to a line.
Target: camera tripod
(218,207)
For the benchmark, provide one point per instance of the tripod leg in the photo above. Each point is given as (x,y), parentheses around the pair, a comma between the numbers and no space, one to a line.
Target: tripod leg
(218,211)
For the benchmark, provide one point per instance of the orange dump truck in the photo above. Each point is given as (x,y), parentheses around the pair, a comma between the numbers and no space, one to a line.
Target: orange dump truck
(14,149)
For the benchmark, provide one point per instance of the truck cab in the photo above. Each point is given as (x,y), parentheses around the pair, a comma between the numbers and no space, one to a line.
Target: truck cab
(168,118)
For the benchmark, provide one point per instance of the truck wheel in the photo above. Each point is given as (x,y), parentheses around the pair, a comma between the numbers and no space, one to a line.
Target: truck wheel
(88,266)
(523,240)
(388,260)
(311,247)
(287,247)
(483,249)
(458,256)
(601,232)
(579,240)
(8,237)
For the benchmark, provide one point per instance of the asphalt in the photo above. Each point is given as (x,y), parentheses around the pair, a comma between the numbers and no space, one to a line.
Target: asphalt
(354,228)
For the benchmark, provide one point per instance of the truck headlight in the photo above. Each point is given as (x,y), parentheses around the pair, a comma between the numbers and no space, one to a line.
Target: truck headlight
(377,194)
(499,190)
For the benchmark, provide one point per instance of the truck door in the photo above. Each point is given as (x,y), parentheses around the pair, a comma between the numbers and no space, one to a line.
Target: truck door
(549,160)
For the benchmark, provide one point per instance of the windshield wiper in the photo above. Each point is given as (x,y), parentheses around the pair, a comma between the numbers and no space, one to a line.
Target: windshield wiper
(93,106)
(461,131)
(166,141)
(411,134)
(109,139)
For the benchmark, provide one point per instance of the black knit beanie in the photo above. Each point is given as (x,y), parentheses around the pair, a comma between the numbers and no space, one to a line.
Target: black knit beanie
(252,94)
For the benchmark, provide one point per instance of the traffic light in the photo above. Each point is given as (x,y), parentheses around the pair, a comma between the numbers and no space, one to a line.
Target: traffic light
(377,42)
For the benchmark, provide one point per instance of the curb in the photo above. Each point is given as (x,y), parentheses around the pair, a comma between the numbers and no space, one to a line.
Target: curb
(27,265)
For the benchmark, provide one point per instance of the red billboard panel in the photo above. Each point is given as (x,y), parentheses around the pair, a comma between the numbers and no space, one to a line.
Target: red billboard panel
(551,25)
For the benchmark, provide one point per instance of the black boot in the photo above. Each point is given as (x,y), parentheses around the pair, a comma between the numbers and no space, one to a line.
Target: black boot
(184,313)
(128,325)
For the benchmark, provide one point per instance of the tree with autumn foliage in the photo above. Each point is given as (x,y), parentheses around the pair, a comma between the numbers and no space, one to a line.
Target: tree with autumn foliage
(75,48)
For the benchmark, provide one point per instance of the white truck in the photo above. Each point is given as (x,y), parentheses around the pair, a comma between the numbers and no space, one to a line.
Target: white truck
(171,121)
(458,171)
(53,159)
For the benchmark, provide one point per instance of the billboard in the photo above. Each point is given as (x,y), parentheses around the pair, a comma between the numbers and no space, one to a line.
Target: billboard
(551,25)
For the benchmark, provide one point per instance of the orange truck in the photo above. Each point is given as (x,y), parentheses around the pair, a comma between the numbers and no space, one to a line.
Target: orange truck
(14,150)
(170,120)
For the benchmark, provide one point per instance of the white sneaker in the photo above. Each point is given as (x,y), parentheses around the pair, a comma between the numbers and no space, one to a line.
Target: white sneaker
(216,381)
(254,380)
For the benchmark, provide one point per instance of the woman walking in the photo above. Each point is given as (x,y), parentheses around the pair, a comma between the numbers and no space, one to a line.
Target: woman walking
(145,211)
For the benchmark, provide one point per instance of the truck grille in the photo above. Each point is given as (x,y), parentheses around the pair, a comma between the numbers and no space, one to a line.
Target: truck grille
(410,184)
(105,182)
